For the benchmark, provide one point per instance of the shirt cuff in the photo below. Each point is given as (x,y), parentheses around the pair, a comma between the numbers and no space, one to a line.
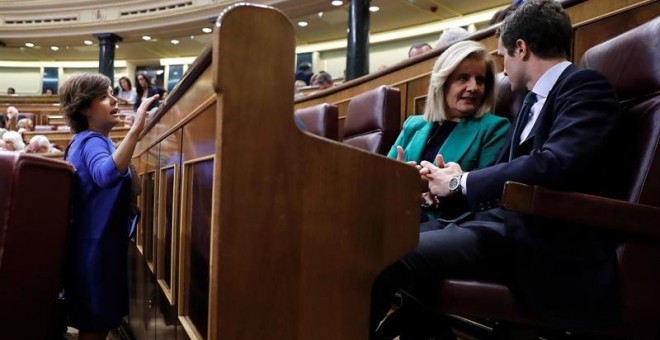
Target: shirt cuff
(464,183)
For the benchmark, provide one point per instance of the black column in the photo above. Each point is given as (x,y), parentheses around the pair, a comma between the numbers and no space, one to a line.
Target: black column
(107,43)
(357,54)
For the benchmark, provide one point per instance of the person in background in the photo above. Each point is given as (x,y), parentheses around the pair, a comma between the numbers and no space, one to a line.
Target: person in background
(12,117)
(11,91)
(96,280)
(39,144)
(324,80)
(126,94)
(13,141)
(129,120)
(418,49)
(49,92)
(145,90)
(24,124)
(450,36)
(304,73)
(456,122)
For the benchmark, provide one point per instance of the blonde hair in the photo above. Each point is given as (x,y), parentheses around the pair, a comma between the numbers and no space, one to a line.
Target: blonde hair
(435,109)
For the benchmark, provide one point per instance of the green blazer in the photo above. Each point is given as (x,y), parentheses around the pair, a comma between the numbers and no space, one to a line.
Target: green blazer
(473,144)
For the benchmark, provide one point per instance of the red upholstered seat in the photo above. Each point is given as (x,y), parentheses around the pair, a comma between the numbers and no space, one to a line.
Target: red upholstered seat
(373,120)
(35,212)
(321,120)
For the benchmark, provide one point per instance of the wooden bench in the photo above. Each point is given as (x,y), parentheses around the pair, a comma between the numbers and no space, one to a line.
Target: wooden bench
(62,138)
(251,228)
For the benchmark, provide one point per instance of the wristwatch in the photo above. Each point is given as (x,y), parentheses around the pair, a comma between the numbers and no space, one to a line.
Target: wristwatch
(455,184)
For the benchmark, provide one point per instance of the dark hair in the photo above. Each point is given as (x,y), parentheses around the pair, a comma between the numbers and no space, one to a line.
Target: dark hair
(543,25)
(11,90)
(138,87)
(128,81)
(77,94)
(323,77)
(418,46)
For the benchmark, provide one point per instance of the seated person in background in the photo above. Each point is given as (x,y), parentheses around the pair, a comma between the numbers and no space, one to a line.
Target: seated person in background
(39,144)
(304,73)
(11,90)
(456,121)
(12,115)
(129,120)
(49,92)
(418,48)
(25,124)
(324,80)
(450,36)
(126,94)
(3,120)
(13,141)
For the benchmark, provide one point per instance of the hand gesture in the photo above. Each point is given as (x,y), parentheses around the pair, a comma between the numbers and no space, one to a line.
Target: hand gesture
(141,114)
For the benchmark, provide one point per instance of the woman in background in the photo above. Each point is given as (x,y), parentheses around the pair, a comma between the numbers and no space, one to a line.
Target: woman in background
(97,274)
(144,91)
(126,93)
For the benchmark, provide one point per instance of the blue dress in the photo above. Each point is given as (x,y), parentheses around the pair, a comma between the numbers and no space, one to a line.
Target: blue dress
(97,269)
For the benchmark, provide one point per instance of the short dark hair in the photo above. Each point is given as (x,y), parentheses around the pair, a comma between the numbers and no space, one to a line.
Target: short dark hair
(543,25)
(77,94)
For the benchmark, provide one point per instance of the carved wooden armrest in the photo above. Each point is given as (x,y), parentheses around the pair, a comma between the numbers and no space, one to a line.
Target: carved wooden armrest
(632,219)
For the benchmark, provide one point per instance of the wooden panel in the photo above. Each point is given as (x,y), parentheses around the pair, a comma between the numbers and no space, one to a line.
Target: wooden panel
(606,27)
(62,138)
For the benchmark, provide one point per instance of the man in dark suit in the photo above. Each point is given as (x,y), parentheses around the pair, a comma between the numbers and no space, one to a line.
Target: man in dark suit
(567,275)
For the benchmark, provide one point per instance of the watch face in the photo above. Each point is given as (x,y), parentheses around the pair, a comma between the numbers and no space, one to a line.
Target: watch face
(453,184)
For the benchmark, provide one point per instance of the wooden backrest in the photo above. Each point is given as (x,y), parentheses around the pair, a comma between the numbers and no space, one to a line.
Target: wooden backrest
(277,233)
(35,198)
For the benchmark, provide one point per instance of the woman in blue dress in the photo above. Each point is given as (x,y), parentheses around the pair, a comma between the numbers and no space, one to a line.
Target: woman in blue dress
(97,273)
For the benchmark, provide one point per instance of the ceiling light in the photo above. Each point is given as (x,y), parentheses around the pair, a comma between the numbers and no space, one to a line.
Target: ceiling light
(337,3)
(320,14)
(88,42)
(207,30)
(374,9)
(192,37)
(146,37)
(174,41)
(302,23)
(29,44)
(116,45)
(54,48)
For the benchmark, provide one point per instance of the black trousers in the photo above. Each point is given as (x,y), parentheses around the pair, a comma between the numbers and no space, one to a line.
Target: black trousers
(472,248)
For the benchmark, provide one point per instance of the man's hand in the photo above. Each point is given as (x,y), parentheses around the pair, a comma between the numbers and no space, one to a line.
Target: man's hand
(438,177)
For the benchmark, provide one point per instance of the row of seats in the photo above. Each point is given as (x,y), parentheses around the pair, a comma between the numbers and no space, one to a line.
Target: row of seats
(373,120)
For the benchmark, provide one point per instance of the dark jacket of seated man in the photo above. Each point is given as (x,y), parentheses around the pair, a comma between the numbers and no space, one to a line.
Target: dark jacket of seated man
(566,274)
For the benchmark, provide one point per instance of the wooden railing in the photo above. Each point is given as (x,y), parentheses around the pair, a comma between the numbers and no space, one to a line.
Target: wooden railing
(594,21)
(252,229)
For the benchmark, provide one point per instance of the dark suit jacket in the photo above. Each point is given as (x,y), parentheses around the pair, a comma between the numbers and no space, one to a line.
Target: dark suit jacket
(566,273)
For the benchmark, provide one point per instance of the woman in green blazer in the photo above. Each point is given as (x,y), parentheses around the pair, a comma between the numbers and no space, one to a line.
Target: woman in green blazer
(456,123)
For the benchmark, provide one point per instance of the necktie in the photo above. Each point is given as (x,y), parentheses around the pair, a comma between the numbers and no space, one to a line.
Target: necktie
(521,121)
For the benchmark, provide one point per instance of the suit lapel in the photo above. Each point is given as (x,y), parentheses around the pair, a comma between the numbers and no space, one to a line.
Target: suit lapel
(459,140)
(548,104)
(418,142)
